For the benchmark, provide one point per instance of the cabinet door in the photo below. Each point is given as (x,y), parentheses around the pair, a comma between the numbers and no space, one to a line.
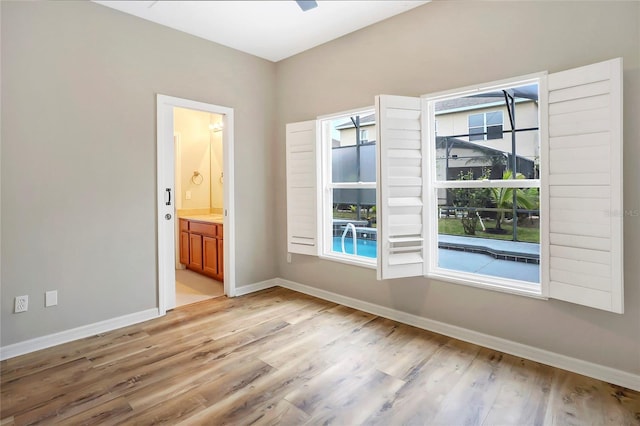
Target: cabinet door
(220,259)
(184,248)
(210,255)
(195,252)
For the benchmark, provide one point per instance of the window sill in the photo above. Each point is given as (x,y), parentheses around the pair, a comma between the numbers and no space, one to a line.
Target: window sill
(502,285)
(350,260)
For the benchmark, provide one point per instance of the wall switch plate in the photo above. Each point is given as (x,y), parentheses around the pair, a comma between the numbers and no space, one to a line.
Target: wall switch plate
(50,298)
(21,304)
(288,257)
(187,195)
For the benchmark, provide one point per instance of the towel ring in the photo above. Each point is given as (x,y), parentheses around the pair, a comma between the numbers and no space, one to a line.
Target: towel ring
(196,178)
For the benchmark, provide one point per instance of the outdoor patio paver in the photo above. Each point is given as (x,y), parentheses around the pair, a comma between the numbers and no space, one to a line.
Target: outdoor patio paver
(498,245)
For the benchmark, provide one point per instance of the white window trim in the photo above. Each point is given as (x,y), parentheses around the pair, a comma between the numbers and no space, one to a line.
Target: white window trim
(325,210)
(349,259)
(503,285)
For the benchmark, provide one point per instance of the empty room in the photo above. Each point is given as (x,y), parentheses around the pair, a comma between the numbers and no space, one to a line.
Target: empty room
(320,212)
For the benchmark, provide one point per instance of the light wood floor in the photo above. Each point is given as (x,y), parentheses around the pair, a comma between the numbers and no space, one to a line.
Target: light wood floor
(280,357)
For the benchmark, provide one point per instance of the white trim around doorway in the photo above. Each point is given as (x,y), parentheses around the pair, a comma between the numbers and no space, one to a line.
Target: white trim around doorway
(166,189)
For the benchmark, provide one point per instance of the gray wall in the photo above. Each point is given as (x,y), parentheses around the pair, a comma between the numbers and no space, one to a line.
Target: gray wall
(79,157)
(444,45)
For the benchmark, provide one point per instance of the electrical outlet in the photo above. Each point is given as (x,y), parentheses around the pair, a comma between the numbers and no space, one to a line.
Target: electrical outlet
(22,304)
(50,298)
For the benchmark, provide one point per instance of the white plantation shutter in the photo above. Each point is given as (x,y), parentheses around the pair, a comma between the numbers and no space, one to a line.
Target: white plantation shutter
(400,191)
(584,178)
(302,188)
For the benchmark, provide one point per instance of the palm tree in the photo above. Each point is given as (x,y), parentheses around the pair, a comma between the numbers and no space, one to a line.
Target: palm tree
(503,198)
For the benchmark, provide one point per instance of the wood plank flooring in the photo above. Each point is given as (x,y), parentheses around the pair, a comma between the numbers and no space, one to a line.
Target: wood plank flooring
(278,357)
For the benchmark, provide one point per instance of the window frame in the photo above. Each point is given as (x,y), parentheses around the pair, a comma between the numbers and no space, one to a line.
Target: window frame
(327,186)
(485,127)
(364,135)
(537,290)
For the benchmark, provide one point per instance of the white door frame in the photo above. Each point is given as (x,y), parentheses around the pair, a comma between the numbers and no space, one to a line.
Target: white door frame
(166,185)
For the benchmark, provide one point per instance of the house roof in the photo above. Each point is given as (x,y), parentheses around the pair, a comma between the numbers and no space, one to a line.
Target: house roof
(441,143)
(459,103)
(365,120)
(521,94)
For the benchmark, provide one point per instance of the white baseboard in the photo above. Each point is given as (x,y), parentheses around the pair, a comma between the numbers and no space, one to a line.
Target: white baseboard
(251,288)
(607,374)
(54,339)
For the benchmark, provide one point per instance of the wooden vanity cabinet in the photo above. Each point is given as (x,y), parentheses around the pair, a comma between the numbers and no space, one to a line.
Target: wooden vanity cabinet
(210,256)
(220,259)
(195,252)
(201,247)
(184,247)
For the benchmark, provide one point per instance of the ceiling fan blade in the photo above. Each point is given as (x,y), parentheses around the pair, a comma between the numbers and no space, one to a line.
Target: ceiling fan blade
(307,4)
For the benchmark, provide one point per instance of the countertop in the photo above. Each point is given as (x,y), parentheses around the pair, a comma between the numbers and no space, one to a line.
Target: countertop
(211,218)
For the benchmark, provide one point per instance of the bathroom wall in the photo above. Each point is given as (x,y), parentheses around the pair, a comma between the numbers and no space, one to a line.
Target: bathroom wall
(192,130)
(201,151)
(217,178)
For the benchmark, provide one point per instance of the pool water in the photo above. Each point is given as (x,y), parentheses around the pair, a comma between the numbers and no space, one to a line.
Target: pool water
(366,248)
(456,260)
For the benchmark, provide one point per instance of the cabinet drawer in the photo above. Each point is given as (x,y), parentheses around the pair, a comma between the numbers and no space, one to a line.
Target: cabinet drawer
(203,228)
(184,225)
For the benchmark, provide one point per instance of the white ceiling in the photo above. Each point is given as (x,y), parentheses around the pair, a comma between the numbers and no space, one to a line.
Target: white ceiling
(272,30)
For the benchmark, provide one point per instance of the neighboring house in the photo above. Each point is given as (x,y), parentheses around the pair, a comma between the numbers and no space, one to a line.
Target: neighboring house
(455,156)
(485,122)
(348,134)
(473,135)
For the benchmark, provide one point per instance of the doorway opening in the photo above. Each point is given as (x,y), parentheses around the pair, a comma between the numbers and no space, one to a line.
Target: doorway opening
(199,205)
(196,233)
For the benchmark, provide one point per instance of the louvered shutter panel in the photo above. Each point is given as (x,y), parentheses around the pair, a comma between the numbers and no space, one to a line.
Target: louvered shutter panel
(302,188)
(400,189)
(584,175)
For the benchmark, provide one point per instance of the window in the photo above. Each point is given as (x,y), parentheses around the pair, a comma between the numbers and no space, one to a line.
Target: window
(486,125)
(557,173)
(349,230)
(486,200)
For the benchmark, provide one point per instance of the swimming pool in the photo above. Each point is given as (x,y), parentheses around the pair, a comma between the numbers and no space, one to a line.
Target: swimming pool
(366,248)
(456,260)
